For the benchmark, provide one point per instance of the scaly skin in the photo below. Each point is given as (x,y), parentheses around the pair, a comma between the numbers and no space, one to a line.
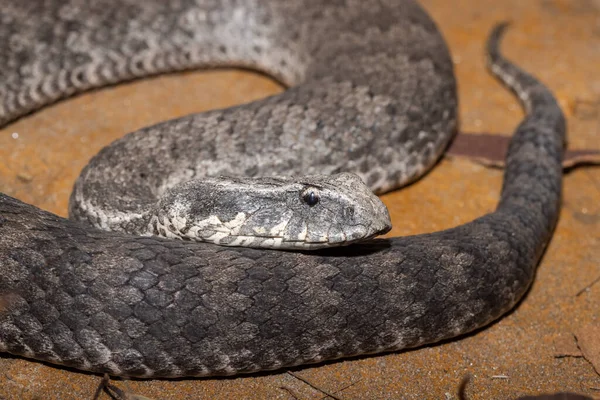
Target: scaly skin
(151,307)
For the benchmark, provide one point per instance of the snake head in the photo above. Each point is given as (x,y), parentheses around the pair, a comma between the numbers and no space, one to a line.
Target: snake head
(302,213)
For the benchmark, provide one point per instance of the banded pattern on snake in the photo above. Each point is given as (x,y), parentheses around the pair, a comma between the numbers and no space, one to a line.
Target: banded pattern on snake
(371,92)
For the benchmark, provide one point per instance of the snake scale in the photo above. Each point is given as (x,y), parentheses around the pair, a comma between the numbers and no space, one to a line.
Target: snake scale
(371,90)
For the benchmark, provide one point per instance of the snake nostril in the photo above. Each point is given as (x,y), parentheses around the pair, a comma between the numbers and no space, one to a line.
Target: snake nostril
(348,212)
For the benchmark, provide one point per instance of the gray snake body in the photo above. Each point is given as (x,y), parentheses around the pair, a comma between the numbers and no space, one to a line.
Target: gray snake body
(372,92)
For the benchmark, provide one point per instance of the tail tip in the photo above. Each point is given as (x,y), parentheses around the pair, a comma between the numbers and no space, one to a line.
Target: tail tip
(494,38)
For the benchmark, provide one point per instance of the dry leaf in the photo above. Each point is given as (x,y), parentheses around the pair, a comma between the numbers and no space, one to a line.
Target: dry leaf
(588,340)
(490,150)
(565,345)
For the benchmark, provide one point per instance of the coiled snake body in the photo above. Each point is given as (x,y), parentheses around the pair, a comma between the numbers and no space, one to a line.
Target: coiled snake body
(371,92)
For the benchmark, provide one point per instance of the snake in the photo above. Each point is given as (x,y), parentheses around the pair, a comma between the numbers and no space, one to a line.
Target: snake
(370,106)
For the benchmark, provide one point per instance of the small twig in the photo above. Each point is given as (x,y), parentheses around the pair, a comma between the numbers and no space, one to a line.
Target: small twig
(462,387)
(585,289)
(114,392)
(333,396)
(343,388)
(499,376)
(101,386)
(290,391)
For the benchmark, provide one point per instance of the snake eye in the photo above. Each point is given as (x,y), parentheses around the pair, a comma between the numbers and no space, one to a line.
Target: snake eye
(310,197)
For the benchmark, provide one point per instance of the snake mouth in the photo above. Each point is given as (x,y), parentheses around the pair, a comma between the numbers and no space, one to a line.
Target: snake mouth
(331,244)
(338,240)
